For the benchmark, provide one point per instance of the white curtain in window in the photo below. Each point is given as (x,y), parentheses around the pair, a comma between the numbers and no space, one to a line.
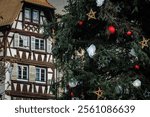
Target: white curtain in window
(32,43)
(16,39)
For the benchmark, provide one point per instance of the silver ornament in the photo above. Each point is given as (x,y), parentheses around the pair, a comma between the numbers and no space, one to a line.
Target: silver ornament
(118,89)
(137,83)
(132,52)
(91,50)
(73,83)
(100,2)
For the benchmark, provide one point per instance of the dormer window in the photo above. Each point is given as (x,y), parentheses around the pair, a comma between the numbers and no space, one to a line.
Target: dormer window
(35,16)
(27,14)
(32,15)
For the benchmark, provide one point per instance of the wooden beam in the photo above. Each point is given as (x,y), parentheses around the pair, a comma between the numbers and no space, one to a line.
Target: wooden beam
(30,95)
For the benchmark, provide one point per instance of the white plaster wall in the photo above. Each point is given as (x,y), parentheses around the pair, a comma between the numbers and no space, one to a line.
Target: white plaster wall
(20,16)
(14,24)
(13,51)
(11,34)
(50,70)
(1,34)
(19,25)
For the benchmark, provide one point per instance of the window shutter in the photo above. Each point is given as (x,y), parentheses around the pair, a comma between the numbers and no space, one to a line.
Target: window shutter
(16,40)
(32,73)
(25,41)
(32,43)
(49,46)
(14,72)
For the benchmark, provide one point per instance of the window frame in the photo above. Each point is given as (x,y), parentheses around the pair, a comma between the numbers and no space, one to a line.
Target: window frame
(38,16)
(30,16)
(39,79)
(24,38)
(39,48)
(22,72)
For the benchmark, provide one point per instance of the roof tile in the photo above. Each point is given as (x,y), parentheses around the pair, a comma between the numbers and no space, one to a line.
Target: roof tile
(9,10)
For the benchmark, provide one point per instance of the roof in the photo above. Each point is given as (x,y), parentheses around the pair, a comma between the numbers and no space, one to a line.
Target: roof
(41,3)
(9,10)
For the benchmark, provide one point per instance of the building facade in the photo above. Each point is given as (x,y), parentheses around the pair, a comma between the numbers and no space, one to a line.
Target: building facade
(30,73)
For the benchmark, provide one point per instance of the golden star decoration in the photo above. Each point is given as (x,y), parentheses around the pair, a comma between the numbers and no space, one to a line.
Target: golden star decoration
(91,15)
(99,93)
(144,42)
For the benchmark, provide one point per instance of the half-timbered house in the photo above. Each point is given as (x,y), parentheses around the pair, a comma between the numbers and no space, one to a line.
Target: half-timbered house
(28,51)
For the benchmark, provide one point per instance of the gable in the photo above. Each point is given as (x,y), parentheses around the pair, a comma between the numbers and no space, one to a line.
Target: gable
(10,9)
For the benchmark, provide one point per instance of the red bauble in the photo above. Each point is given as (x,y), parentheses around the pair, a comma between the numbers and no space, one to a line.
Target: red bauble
(72,94)
(137,67)
(80,23)
(129,33)
(111,29)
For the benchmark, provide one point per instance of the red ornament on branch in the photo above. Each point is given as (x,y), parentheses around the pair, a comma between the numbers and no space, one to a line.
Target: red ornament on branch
(72,94)
(129,33)
(137,67)
(80,23)
(111,29)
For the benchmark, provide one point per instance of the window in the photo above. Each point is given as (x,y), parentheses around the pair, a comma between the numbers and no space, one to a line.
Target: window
(35,16)
(23,72)
(32,15)
(27,14)
(40,74)
(24,41)
(21,41)
(39,44)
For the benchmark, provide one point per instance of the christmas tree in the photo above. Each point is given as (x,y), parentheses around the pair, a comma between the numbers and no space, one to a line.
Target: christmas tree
(102,49)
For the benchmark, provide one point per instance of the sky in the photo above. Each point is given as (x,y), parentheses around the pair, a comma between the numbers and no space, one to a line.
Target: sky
(59,5)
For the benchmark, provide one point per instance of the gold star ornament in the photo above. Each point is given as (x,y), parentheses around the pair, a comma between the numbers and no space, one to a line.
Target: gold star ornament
(144,42)
(99,93)
(91,15)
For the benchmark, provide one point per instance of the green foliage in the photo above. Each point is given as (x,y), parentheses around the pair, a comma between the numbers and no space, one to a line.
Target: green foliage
(112,67)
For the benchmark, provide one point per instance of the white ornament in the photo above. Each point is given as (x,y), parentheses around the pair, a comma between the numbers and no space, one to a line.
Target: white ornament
(91,50)
(100,2)
(132,52)
(119,89)
(73,83)
(137,83)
